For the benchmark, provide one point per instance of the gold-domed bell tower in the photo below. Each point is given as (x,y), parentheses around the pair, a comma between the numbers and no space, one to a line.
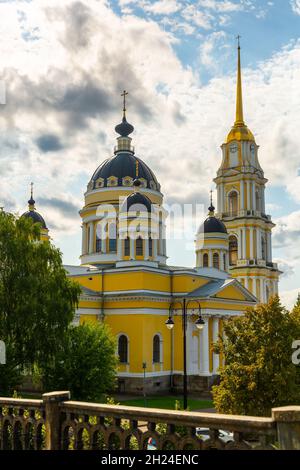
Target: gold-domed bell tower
(241,206)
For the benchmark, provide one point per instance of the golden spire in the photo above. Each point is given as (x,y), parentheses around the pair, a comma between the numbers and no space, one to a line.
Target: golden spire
(239,118)
(239,130)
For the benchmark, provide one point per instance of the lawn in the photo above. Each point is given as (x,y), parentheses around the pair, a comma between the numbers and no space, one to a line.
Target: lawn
(168,402)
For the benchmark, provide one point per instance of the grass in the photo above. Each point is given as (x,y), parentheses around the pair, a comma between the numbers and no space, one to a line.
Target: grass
(168,403)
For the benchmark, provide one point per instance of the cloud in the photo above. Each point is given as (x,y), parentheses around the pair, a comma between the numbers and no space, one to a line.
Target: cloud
(49,143)
(163,7)
(295,4)
(65,207)
(289,297)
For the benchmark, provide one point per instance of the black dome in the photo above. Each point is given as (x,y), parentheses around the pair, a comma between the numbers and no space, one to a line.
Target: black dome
(124,129)
(211,225)
(36,217)
(136,202)
(121,165)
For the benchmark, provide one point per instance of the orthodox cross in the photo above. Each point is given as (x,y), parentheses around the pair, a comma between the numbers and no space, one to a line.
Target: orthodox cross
(124,101)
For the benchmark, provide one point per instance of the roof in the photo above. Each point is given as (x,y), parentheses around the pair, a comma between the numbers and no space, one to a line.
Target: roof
(212,225)
(36,217)
(211,288)
(136,202)
(125,164)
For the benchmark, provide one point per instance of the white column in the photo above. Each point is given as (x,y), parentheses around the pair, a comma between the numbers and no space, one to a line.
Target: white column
(222,260)
(91,240)
(254,285)
(242,203)
(154,247)
(83,246)
(132,243)
(244,242)
(262,290)
(253,196)
(240,244)
(222,198)
(210,259)
(246,283)
(204,346)
(146,245)
(251,243)
(269,246)
(218,199)
(248,195)
(119,248)
(216,357)
(258,243)
(263,209)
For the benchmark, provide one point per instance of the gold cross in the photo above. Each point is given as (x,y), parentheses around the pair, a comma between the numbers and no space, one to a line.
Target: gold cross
(124,100)
(211,193)
(238,40)
(31,184)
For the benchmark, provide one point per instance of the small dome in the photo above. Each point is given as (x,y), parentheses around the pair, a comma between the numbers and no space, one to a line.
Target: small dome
(212,225)
(124,129)
(136,202)
(36,217)
(121,165)
(240,133)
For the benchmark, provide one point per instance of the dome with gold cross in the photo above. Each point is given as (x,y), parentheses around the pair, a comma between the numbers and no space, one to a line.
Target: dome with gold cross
(32,212)
(124,166)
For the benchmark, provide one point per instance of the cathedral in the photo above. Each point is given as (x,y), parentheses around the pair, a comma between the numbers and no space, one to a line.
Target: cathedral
(125,279)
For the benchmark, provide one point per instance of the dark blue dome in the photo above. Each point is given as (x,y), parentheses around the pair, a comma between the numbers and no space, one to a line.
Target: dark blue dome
(212,225)
(136,202)
(36,217)
(124,129)
(121,165)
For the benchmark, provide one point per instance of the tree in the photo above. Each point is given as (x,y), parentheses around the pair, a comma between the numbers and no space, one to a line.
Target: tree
(37,300)
(85,365)
(258,373)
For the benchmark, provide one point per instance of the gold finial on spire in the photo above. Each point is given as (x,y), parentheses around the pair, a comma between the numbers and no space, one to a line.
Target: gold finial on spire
(136,168)
(239,118)
(31,192)
(124,94)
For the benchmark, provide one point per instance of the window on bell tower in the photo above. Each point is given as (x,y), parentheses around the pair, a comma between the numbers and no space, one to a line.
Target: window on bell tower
(233,203)
(233,250)
(205,260)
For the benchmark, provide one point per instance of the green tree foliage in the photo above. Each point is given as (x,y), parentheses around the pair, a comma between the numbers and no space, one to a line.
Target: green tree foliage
(37,300)
(85,365)
(258,372)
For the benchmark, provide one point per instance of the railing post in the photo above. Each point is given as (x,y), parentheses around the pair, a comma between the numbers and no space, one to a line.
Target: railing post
(288,427)
(52,419)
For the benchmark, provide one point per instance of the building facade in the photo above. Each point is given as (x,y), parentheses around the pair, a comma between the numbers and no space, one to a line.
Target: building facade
(127,283)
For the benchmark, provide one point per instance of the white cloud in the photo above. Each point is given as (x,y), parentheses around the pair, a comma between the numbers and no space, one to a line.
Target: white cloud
(289,297)
(295,4)
(163,7)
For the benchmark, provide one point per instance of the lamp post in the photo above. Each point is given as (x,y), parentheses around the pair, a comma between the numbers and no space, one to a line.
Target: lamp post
(199,324)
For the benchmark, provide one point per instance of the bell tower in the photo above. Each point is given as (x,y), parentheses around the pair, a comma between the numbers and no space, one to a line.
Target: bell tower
(241,206)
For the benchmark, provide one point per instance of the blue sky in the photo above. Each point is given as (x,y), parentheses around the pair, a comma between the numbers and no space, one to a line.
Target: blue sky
(64,64)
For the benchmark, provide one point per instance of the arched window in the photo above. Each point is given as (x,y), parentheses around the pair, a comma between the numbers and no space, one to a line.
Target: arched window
(216,263)
(156,349)
(233,203)
(112,236)
(205,260)
(139,247)
(123,349)
(224,262)
(126,247)
(233,250)
(263,247)
(88,240)
(257,201)
(150,247)
(98,243)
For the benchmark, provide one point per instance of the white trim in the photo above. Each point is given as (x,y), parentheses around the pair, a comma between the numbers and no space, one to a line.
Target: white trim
(158,374)
(121,188)
(87,311)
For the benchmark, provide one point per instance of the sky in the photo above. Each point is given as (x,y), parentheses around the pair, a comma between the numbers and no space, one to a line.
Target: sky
(64,65)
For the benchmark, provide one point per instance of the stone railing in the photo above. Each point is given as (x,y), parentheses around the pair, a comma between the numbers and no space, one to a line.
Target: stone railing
(56,423)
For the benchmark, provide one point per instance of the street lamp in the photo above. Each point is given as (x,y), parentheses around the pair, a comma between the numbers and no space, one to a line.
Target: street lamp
(199,324)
